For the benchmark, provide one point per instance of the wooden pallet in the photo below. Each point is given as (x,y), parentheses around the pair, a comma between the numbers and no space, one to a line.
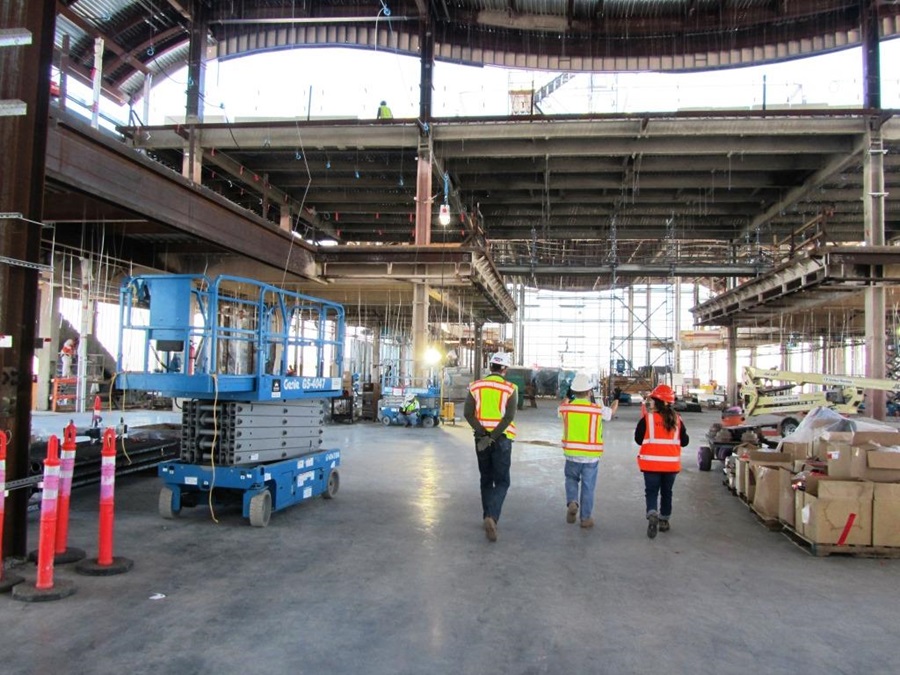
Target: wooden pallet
(856,551)
(769,522)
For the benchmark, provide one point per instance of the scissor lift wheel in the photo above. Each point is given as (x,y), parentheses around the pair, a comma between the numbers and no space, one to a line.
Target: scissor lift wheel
(261,509)
(331,487)
(166,499)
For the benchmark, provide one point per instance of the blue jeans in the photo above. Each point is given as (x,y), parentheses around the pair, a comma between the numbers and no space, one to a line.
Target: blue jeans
(586,474)
(658,484)
(409,418)
(493,465)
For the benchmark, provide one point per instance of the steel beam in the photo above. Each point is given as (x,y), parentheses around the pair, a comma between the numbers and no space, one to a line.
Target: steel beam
(89,162)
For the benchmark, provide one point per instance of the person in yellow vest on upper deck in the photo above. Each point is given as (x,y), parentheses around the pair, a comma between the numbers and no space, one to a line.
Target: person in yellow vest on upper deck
(661,434)
(384,112)
(490,409)
(582,444)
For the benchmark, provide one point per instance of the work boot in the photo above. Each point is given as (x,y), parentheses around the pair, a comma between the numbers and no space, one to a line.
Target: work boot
(571,510)
(663,525)
(587,523)
(652,524)
(490,528)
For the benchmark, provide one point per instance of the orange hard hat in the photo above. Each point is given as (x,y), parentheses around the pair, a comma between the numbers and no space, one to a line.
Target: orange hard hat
(664,393)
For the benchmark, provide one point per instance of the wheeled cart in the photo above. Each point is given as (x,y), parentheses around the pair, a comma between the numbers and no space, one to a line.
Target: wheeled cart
(264,488)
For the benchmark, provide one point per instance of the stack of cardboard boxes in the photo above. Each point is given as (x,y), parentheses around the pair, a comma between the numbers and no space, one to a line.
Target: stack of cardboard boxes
(855,502)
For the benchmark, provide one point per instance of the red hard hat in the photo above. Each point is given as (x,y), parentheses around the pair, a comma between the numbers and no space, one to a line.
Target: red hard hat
(664,393)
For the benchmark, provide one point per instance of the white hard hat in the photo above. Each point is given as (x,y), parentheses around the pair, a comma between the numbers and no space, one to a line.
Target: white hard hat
(580,383)
(409,398)
(501,359)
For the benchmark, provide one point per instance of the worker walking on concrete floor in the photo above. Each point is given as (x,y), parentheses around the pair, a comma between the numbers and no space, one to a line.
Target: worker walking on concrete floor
(490,409)
(661,434)
(582,444)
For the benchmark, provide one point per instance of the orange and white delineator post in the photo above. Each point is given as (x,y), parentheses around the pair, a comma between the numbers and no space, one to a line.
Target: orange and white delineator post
(45,588)
(49,516)
(107,498)
(63,554)
(105,564)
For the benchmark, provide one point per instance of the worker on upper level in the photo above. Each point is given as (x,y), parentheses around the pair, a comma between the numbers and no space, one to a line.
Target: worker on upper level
(384,113)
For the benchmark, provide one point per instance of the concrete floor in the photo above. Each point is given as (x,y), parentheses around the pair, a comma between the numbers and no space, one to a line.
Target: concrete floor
(395,576)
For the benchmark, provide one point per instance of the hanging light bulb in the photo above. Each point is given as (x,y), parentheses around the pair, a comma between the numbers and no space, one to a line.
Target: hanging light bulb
(444,213)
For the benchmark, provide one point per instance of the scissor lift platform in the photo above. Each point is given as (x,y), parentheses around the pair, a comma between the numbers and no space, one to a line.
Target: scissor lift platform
(264,488)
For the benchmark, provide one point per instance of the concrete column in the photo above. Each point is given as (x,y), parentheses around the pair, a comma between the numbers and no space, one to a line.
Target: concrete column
(97,82)
(48,333)
(476,354)
(375,373)
(520,321)
(286,220)
(732,383)
(196,87)
(419,333)
(875,304)
(648,336)
(677,341)
(148,87)
(88,314)
(630,342)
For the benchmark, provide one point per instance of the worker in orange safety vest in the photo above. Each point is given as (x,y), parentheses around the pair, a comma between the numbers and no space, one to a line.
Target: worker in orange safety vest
(661,434)
(490,410)
(582,444)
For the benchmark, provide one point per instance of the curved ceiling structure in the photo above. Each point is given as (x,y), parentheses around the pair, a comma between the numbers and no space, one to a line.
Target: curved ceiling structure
(145,37)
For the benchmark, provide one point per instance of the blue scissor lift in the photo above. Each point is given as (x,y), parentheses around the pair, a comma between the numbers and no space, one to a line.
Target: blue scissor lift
(254,364)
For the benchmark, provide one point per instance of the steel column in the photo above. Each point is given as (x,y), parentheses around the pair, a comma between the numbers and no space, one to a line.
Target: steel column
(26,77)
(868,19)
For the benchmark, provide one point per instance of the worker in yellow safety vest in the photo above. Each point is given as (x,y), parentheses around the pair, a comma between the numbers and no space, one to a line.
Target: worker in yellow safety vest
(582,444)
(661,434)
(384,113)
(490,409)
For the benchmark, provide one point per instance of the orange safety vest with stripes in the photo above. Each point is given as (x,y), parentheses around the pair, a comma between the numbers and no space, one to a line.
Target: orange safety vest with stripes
(661,449)
(582,428)
(491,396)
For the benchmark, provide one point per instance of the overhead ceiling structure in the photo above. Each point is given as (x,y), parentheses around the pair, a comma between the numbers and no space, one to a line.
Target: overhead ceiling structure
(580,202)
(145,37)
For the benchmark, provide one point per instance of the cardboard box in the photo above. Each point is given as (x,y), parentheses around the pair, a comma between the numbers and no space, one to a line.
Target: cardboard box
(785,497)
(883,459)
(776,459)
(797,450)
(839,458)
(837,511)
(886,515)
(741,469)
(765,496)
(799,503)
(870,462)
(749,488)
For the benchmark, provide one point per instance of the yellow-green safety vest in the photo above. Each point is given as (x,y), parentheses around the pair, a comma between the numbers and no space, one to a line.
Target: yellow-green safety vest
(491,396)
(582,428)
